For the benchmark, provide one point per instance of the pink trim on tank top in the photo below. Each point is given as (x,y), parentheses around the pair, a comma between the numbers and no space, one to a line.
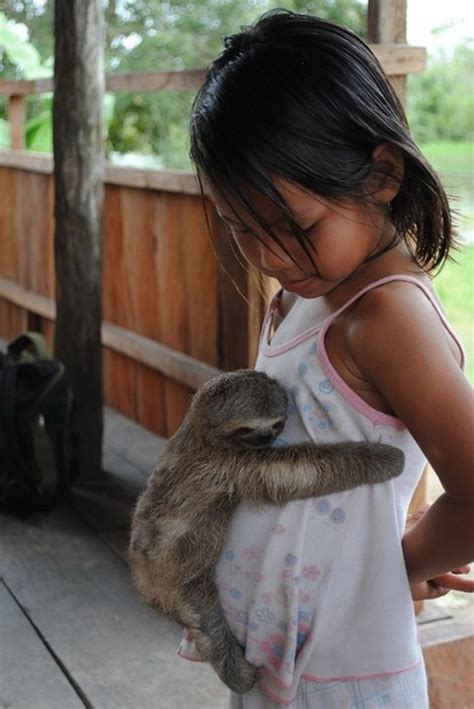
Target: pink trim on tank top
(372,414)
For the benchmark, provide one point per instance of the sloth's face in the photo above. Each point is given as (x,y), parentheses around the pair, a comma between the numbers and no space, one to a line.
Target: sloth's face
(259,433)
(243,409)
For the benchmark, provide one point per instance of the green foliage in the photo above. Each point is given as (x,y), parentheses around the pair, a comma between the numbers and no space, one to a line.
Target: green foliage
(20,59)
(455,287)
(160,35)
(25,61)
(20,53)
(179,35)
(441,99)
(36,15)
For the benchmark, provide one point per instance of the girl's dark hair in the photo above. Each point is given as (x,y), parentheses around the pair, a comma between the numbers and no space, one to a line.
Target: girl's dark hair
(301,98)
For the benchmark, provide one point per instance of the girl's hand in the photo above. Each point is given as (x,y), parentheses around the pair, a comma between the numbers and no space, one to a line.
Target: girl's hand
(440,585)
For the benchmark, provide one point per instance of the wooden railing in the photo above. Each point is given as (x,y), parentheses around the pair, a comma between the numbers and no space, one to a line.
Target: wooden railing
(172,318)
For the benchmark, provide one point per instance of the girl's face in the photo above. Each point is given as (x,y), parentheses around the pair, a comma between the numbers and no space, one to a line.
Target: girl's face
(340,238)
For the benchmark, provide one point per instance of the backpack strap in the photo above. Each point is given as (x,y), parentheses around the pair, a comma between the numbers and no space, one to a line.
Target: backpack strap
(9,448)
(29,339)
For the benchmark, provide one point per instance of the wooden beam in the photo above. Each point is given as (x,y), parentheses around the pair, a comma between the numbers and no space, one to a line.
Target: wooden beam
(35,303)
(78,190)
(386,23)
(22,87)
(155,80)
(399,59)
(178,366)
(396,57)
(27,160)
(17,121)
(181,181)
(233,285)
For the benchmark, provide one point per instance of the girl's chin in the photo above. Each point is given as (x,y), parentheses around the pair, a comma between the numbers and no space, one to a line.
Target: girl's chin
(309,288)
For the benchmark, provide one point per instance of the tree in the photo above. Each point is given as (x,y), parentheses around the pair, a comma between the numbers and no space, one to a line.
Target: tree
(145,35)
(435,111)
(78,141)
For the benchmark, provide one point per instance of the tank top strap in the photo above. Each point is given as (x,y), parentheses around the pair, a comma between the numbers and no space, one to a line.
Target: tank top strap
(407,279)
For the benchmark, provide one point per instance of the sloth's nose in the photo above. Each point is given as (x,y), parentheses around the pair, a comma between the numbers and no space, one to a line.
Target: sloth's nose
(264,437)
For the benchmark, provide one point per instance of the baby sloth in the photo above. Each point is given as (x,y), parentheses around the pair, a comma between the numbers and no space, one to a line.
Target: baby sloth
(220,456)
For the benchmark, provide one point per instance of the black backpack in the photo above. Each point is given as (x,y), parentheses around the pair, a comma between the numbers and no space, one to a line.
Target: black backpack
(35,412)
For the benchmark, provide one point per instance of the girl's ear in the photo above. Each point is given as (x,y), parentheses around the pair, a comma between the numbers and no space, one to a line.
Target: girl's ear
(387,172)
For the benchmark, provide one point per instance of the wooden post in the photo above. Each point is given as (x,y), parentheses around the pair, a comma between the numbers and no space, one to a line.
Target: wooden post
(233,281)
(387,24)
(17,120)
(78,154)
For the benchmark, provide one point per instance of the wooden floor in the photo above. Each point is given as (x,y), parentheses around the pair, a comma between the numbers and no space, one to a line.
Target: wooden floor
(74,634)
(72,631)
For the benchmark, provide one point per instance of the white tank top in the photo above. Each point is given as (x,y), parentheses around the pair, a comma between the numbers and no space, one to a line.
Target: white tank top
(317,588)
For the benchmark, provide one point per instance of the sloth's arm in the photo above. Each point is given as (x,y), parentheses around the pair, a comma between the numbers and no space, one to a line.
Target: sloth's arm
(279,475)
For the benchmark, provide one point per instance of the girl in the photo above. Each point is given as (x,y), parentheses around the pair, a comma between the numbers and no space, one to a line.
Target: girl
(303,146)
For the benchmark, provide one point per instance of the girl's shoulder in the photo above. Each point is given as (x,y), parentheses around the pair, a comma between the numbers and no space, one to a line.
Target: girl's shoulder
(403,309)
(389,327)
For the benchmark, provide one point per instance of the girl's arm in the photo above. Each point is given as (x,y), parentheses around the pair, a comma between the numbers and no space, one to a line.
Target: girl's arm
(399,342)
(440,585)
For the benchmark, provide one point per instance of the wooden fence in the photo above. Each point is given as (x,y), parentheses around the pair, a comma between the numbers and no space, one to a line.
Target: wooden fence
(172,318)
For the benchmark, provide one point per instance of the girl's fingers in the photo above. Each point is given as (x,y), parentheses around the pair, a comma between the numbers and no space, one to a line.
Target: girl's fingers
(427,591)
(451,582)
(435,591)
(441,585)
(461,570)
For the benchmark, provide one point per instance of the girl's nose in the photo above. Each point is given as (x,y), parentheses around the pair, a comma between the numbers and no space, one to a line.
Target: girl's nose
(273,257)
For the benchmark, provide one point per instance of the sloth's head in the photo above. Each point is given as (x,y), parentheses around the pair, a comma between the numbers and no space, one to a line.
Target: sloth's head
(242,409)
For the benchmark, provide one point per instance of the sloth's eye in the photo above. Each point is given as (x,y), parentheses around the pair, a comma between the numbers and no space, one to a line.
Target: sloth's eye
(244,430)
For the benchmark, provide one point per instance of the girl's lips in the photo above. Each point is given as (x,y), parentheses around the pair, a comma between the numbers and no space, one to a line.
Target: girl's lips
(293,285)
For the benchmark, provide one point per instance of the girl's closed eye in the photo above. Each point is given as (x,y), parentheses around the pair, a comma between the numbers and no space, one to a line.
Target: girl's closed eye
(309,229)
(239,230)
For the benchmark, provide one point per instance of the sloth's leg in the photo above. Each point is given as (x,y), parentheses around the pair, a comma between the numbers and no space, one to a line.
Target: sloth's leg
(279,475)
(217,644)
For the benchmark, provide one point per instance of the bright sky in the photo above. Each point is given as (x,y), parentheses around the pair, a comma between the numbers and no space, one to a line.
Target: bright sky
(425,15)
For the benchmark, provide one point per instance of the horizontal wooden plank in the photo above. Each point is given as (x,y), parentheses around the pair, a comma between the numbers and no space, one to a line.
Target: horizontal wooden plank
(396,59)
(79,595)
(26,160)
(14,293)
(180,181)
(29,674)
(155,80)
(24,87)
(176,365)
(130,81)
(400,59)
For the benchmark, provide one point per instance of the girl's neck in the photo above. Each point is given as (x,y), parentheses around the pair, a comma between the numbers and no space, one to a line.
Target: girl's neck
(395,261)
